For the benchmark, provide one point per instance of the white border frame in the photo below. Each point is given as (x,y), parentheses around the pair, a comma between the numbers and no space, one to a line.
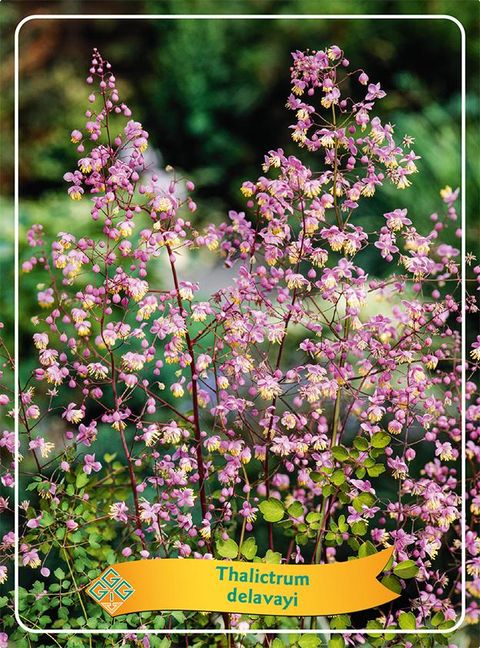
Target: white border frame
(30,18)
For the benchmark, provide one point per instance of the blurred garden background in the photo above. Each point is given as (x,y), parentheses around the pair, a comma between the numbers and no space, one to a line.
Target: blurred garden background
(212,94)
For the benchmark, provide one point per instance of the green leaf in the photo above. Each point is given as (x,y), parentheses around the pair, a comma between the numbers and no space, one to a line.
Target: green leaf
(374,625)
(249,548)
(437,619)
(59,573)
(366,549)
(342,525)
(309,641)
(366,499)
(391,582)
(272,509)
(301,539)
(407,621)
(165,643)
(159,623)
(44,486)
(313,516)
(47,519)
(273,557)
(295,510)
(76,537)
(380,439)
(361,443)
(406,569)
(447,625)
(359,528)
(227,548)
(340,453)
(338,477)
(178,616)
(336,642)
(340,622)
(82,480)
(376,470)
(353,543)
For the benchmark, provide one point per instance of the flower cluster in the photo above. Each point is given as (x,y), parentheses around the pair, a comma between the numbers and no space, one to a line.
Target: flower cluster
(308,401)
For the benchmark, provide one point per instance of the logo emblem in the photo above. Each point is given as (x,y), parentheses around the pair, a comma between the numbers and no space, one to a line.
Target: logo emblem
(110,590)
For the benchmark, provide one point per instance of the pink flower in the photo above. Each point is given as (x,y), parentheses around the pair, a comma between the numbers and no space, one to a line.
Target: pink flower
(91,465)
(374,92)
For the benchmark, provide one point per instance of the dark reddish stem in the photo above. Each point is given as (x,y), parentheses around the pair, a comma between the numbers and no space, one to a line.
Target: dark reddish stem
(128,456)
(193,372)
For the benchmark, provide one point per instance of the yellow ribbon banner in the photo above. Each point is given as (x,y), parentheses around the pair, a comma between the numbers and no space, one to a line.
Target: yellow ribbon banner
(240,587)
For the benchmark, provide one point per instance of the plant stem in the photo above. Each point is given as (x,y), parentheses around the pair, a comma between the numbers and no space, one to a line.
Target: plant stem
(128,457)
(77,589)
(133,484)
(193,372)
(336,410)
(335,431)
(266,468)
(274,400)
